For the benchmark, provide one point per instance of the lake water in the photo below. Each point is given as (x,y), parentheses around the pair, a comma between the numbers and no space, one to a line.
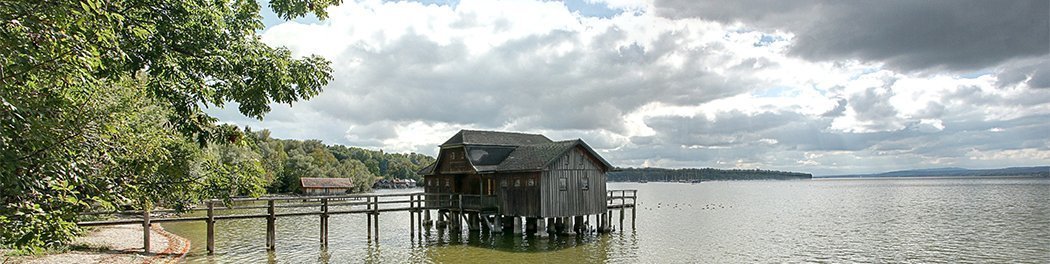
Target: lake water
(946,220)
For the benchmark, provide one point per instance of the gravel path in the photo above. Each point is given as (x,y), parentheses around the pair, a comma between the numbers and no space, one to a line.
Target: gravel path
(117,245)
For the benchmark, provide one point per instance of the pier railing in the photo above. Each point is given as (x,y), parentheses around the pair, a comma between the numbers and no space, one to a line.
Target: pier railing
(618,199)
(416,203)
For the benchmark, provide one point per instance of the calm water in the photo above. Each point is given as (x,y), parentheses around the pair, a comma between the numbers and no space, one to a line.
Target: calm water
(855,220)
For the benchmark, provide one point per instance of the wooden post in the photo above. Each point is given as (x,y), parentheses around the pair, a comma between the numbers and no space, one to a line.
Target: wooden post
(459,218)
(145,228)
(375,213)
(271,229)
(368,215)
(411,216)
(324,222)
(634,207)
(211,227)
(426,218)
(623,203)
(517,225)
(600,222)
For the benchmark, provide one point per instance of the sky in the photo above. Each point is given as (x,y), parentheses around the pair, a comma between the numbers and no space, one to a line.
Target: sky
(825,87)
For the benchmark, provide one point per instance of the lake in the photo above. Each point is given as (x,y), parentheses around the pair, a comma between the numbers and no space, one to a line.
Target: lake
(925,220)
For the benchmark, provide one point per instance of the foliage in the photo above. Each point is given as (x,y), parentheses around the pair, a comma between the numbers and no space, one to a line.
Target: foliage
(705,174)
(101,105)
(289,160)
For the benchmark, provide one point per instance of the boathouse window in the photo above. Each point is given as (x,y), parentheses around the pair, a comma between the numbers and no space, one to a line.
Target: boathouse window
(530,182)
(503,183)
(447,183)
(517,182)
(585,184)
(563,183)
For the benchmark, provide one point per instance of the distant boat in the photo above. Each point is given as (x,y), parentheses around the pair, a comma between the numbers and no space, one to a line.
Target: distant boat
(695,181)
(643,181)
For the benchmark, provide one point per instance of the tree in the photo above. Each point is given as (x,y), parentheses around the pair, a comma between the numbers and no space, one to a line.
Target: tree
(101,104)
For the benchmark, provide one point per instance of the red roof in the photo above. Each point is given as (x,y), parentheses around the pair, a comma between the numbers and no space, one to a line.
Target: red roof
(326,183)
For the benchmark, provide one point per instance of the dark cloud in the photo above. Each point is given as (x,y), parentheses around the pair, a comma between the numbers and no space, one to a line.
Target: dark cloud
(906,34)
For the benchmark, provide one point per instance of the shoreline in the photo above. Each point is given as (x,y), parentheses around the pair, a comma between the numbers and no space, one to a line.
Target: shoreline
(116,245)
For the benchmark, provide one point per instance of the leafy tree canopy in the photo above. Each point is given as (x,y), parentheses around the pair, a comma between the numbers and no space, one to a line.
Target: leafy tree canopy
(101,105)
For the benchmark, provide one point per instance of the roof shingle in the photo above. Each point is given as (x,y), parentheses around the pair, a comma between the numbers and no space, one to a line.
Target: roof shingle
(493,151)
(496,138)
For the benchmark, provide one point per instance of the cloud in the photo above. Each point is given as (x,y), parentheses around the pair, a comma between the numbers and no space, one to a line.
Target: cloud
(907,35)
(676,84)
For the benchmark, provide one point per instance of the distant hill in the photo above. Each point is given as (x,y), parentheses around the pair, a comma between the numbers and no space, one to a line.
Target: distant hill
(1040,171)
(704,174)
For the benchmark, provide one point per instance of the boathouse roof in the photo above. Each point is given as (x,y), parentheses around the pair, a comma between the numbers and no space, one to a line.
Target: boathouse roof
(497,151)
(494,138)
(323,183)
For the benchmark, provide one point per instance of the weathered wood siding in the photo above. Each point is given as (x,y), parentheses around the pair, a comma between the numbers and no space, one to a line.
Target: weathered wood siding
(583,192)
(454,160)
(442,184)
(515,195)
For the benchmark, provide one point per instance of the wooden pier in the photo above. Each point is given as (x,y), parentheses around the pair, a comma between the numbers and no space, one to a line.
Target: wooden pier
(478,212)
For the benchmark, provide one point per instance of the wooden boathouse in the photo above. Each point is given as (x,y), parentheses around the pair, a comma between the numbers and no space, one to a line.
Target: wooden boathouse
(514,179)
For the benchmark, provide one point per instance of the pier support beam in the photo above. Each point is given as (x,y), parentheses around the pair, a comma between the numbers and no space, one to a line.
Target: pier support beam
(497,224)
(145,228)
(570,226)
(427,223)
(271,228)
(530,225)
(211,228)
(602,222)
(517,225)
(441,220)
(324,223)
(621,217)
(541,227)
(579,224)
(474,222)
(550,225)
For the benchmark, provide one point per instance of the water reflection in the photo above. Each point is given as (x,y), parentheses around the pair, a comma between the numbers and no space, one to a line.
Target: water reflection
(841,221)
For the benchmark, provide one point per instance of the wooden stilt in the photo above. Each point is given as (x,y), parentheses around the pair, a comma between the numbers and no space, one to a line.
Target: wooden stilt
(375,213)
(324,222)
(411,216)
(145,228)
(211,227)
(368,215)
(634,207)
(271,229)
(622,217)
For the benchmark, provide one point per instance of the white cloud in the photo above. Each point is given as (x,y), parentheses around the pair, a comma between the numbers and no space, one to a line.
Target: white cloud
(644,90)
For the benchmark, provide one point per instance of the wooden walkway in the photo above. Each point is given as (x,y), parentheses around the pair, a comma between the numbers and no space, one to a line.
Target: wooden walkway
(371,205)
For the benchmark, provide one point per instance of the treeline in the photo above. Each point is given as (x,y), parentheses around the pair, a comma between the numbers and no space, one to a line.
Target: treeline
(285,161)
(704,174)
